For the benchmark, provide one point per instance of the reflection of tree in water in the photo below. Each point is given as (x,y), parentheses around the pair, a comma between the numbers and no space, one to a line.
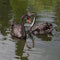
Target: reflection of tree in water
(4,15)
(19,48)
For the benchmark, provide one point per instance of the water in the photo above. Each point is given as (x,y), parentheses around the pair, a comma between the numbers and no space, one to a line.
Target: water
(42,47)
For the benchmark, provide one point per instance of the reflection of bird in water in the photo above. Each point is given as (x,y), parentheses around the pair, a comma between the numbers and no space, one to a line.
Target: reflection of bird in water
(28,46)
(45,37)
(29,42)
(49,35)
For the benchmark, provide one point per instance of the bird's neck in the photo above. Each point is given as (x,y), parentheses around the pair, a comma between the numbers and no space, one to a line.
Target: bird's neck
(22,28)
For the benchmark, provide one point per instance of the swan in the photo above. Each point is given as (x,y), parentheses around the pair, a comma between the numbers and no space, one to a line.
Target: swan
(42,28)
(18,30)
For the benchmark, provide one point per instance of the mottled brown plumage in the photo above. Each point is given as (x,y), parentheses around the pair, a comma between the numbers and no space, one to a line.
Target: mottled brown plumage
(42,28)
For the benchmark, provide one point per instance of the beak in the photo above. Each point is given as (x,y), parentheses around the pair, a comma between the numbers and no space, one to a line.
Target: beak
(29,20)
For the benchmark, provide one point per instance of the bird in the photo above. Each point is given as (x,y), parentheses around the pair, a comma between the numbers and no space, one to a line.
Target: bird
(18,30)
(42,28)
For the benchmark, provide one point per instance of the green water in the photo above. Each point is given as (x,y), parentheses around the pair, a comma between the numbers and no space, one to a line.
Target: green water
(42,47)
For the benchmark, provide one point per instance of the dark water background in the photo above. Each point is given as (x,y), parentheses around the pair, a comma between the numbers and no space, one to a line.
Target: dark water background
(43,47)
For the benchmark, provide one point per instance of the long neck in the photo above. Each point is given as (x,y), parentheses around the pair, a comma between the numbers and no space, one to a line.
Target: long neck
(22,27)
(33,22)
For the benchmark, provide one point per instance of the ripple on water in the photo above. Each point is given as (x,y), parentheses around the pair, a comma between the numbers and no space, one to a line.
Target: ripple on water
(7,49)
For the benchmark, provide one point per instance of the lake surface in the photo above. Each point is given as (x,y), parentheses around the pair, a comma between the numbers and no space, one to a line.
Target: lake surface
(42,47)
